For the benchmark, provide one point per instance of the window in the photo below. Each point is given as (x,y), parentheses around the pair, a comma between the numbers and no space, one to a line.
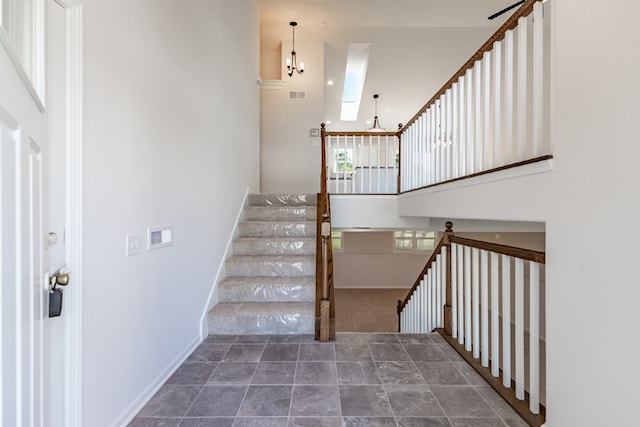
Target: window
(336,241)
(343,160)
(404,241)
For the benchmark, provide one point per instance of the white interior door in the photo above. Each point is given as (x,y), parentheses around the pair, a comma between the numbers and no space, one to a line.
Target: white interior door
(24,181)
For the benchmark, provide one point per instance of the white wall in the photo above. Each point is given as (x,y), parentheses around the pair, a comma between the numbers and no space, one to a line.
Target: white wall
(171,138)
(289,157)
(593,291)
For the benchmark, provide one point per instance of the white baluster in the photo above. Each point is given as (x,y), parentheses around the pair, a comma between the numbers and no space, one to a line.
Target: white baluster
(470,125)
(455,128)
(521,107)
(509,100)
(387,166)
(432,145)
(369,163)
(394,150)
(360,150)
(436,293)
(327,155)
(495,315)
(497,104)
(438,135)
(354,152)
(423,147)
(443,137)
(467,298)
(454,290)
(519,337)
(506,321)
(477,149)
(379,163)
(475,300)
(462,135)
(461,304)
(448,137)
(534,337)
(431,300)
(423,304)
(537,77)
(443,286)
(484,302)
(412,315)
(487,140)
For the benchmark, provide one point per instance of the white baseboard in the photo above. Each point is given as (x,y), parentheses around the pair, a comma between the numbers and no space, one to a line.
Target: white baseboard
(221,273)
(145,396)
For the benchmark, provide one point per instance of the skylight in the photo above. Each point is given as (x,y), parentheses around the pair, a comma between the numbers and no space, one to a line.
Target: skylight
(354,77)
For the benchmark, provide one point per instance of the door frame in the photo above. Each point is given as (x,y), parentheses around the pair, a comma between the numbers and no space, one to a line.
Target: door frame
(73,210)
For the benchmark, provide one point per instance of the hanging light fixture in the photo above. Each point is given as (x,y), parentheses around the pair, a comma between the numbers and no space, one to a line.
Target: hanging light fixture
(292,64)
(376,125)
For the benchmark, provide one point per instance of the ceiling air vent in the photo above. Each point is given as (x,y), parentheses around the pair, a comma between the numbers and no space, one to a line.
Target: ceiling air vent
(297,94)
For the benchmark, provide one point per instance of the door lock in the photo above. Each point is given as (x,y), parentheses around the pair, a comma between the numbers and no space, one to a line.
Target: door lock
(60,277)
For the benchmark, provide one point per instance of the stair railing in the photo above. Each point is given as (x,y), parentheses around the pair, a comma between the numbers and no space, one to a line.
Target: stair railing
(325,307)
(473,293)
(491,114)
(360,162)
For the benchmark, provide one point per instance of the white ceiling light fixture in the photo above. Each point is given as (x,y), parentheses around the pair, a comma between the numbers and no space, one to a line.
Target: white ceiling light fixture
(292,63)
(376,124)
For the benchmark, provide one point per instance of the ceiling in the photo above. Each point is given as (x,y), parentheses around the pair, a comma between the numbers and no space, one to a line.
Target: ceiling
(380,13)
(340,22)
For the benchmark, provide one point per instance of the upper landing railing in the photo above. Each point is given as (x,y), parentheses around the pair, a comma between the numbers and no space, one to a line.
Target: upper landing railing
(492,114)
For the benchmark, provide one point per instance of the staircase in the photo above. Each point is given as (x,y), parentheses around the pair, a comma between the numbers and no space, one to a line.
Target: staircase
(270,279)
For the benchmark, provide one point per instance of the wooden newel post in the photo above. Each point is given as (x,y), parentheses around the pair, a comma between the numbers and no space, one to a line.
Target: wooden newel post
(399,310)
(323,149)
(325,303)
(448,232)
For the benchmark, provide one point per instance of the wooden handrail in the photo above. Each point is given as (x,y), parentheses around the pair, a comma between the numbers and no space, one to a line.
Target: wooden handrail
(359,133)
(510,24)
(513,251)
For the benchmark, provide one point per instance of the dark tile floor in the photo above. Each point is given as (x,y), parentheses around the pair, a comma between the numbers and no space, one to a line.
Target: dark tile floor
(358,380)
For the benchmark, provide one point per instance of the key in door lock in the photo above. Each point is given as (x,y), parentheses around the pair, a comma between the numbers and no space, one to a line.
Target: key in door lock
(61,277)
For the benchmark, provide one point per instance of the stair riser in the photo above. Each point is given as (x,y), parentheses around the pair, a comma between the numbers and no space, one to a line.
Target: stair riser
(282,200)
(251,268)
(267,213)
(248,322)
(266,293)
(267,246)
(277,229)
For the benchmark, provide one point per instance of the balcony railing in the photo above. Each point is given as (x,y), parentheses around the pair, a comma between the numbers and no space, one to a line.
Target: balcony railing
(492,114)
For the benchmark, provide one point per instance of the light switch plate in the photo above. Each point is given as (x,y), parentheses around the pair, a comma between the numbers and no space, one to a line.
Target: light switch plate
(133,245)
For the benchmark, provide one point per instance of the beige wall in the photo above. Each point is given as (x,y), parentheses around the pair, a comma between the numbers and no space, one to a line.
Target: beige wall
(368,262)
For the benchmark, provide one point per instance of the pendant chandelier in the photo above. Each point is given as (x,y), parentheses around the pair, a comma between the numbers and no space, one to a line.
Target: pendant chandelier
(376,124)
(292,63)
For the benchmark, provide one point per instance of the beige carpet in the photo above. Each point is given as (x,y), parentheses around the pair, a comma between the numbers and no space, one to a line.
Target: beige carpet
(367,310)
